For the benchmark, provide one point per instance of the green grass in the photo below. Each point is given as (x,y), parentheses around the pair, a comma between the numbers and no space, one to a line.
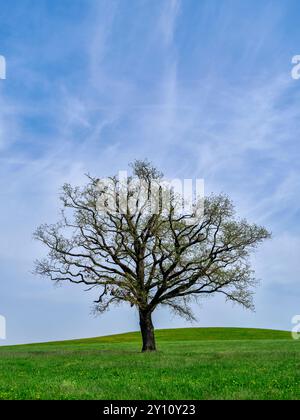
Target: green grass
(195,363)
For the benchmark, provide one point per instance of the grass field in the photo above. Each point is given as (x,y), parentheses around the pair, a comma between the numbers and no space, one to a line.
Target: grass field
(195,363)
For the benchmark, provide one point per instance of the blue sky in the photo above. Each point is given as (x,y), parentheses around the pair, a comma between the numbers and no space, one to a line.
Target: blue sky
(201,88)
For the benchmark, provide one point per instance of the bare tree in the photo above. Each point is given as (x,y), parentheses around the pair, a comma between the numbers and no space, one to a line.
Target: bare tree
(149,258)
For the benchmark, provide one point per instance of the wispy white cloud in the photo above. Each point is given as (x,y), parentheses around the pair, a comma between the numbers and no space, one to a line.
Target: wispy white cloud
(167,21)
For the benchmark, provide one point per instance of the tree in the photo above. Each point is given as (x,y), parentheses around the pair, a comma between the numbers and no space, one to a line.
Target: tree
(123,240)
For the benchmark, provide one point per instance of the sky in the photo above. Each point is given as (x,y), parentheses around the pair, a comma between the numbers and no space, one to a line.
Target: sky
(203,89)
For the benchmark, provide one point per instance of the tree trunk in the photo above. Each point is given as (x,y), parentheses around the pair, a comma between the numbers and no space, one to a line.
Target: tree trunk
(147,331)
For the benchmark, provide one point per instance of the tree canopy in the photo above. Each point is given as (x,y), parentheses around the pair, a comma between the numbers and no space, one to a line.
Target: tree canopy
(114,238)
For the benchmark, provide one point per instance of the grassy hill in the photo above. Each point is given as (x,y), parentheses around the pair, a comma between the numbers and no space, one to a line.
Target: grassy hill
(186,334)
(193,363)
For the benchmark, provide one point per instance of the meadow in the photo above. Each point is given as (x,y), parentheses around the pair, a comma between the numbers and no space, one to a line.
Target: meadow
(193,363)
